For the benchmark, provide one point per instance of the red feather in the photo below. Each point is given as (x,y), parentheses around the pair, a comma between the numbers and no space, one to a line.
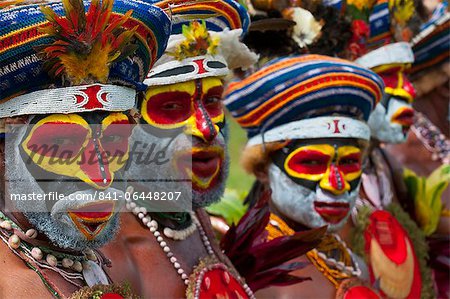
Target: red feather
(263,262)
(78,33)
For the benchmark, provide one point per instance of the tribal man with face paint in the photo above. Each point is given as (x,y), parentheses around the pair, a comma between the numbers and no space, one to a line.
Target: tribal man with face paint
(427,151)
(69,75)
(182,113)
(393,256)
(393,116)
(306,121)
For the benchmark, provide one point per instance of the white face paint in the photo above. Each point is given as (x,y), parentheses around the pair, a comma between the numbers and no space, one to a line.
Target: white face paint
(299,203)
(55,223)
(384,125)
(165,177)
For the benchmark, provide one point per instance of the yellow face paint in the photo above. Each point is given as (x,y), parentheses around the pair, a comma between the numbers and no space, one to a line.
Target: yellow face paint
(202,165)
(64,145)
(349,162)
(309,162)
(116,130)
(321,162)
(194,105)
(396,82)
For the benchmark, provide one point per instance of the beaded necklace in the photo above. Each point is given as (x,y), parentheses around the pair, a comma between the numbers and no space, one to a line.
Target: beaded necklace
(432,138)
(205,265)
(72,268)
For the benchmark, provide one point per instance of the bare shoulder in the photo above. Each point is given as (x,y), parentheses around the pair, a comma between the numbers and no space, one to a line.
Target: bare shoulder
(17,280)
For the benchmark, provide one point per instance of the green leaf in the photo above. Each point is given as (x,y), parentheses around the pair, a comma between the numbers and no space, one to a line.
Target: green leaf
(230,208)
(427,193)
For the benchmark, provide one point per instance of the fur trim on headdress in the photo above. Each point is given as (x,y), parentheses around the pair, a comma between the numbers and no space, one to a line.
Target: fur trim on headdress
(236,54)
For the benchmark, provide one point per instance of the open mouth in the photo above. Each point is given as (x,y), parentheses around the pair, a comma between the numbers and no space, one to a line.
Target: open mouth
(332,212)
(202,165)
(206,163)
(92,218)
(405,117)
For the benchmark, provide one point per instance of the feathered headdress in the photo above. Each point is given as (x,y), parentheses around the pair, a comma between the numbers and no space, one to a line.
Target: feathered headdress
(66,57)
(85,43)
(297,27)
(205,41)
(263,262)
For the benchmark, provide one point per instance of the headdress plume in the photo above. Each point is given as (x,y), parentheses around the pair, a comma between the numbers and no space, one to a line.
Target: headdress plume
(86,43)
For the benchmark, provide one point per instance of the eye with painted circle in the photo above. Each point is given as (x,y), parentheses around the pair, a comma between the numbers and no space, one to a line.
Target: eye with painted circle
(350,163)
(116,135)
(168,108)
(172,106)
(307,161)
(212,101)
(63,141)
(56,139)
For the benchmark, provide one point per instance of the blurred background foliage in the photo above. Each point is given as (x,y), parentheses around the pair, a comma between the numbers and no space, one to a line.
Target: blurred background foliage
(231,207)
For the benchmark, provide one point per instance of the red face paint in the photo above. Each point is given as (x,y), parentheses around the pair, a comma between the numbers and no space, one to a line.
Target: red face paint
(170,108)
(309,162)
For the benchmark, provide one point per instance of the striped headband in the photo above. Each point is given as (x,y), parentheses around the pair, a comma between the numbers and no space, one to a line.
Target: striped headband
(432,46)
(397,53)
(298,89)
(26,73)
(218,15)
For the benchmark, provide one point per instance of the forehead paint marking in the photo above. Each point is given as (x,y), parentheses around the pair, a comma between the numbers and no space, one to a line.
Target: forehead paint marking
(209,83)
(187,86)
(90,97)
(199,63)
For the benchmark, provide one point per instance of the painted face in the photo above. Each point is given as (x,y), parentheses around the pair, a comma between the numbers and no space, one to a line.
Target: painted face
(188,118)
(316,182)
(75,157)
(393,116)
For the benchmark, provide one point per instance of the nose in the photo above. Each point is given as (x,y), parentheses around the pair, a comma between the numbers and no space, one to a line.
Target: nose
(201,125)
(333,181)
(94,166)
(409,88)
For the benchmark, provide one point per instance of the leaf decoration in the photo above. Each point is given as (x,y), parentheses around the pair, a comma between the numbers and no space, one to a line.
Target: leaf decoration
(198,42)
(427,193)
(230,207)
